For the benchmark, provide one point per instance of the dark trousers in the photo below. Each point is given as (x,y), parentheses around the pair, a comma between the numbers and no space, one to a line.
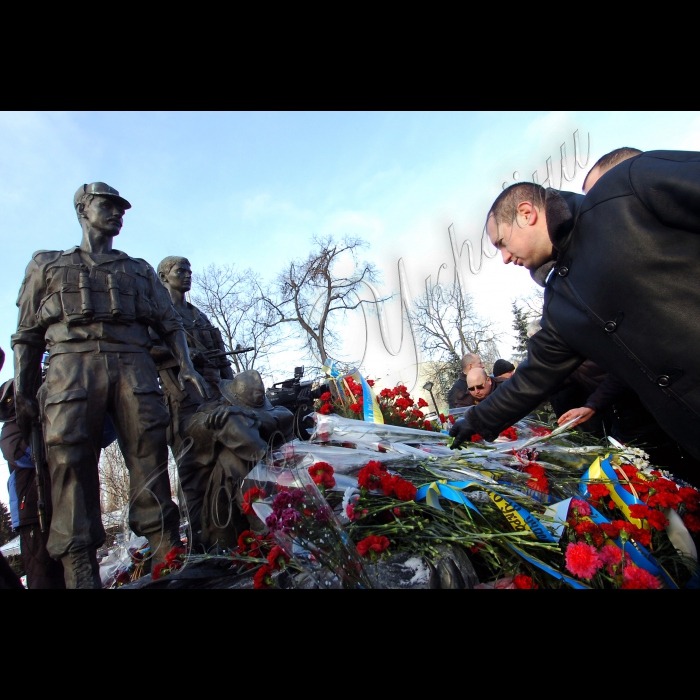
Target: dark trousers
(42,571)
(80,389)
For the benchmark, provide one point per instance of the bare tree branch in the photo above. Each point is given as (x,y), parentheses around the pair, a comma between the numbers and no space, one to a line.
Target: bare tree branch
(447,327)
(311,294)
(234,301)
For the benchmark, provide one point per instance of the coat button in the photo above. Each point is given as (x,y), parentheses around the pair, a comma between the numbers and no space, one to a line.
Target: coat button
(663,380)
(563,271)
(610,326)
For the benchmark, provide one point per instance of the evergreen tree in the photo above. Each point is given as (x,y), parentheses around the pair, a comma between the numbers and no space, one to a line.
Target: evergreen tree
(520,322)
(6,533)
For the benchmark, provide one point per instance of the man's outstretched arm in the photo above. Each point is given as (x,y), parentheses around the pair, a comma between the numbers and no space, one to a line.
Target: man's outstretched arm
(549,362)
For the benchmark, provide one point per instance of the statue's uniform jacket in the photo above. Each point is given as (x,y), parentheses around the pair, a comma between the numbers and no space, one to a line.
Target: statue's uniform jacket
(93,313)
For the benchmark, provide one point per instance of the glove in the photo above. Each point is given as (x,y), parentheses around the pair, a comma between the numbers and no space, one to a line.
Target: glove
(463,429)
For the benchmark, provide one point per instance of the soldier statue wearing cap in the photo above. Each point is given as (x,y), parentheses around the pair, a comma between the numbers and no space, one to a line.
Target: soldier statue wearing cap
(91,307)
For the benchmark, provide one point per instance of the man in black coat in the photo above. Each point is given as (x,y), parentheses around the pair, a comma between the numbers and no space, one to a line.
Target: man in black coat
(622,278)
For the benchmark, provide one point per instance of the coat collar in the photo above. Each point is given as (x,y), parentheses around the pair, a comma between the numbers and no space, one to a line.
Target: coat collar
(561,213)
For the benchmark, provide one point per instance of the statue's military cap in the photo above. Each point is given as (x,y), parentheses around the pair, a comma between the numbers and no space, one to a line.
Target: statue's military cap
(101,188)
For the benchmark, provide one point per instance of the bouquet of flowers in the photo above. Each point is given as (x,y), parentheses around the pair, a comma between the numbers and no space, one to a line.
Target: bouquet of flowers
(304,526)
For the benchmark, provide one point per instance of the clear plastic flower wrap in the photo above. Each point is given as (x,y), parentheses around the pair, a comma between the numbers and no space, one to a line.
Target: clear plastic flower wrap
(334,427)
(304,525)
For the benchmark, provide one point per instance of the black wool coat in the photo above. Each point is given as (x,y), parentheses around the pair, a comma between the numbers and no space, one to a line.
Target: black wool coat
(624,293)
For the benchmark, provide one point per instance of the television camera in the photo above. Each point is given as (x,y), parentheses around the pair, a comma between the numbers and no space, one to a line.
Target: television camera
(297,396)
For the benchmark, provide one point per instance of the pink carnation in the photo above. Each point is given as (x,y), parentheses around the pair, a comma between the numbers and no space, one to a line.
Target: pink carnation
(582,507)
(582,560)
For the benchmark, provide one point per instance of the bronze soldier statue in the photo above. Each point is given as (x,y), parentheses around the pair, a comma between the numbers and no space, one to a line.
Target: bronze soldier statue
(91,306)
(215,442)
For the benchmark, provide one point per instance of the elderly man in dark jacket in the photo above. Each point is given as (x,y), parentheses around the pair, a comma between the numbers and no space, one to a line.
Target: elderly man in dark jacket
(622,272)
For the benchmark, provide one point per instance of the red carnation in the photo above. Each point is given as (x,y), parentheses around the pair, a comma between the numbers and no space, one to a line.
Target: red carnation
(250,497)
(389,482)
(509,433)
(427,425)
(322,474)
(277,558)
(636,577)
(325,396)
(611,530)
(370,382)
(160,570)
(355,407)
(372,544)
(639,511)
(175,557)
(451,418)
(540,431)
(422,403)
(628,470)
(405,491)
(263,577)
(386,393)
(326,409)
(692,522)
(657,519)
(538,480)
(370,476)
(521,581)
(246,538)
(474,438)
(664,499)
(404,403)
(663,484)
(691,498)
(592,530)
(582,560)
(442,418)
(597,491)
(640,535)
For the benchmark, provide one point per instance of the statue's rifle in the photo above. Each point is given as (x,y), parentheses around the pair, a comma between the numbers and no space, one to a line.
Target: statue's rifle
(37,440)
(222,353)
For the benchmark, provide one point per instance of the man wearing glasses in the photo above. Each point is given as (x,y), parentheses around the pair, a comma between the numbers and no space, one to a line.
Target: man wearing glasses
(479,384)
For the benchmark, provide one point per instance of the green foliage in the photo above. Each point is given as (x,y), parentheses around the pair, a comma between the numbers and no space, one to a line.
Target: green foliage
(520,322)
(6,533)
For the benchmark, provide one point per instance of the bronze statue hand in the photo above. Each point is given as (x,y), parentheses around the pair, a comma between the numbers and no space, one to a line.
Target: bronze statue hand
(199,359)
(190,374)
(216,419)
(27,409)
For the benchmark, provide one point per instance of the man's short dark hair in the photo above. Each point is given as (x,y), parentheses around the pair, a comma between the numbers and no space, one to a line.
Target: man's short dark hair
(505,207)
(610,160)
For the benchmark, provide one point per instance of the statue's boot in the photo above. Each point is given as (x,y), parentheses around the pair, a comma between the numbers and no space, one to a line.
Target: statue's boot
(81,570)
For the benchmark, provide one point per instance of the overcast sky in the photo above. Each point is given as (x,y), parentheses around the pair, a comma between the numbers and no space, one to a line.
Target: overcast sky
(253,188)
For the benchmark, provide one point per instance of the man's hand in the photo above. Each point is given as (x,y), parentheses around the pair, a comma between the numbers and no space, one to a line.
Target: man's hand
(190,374)
(27,410)
(583,414)
(463,429)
